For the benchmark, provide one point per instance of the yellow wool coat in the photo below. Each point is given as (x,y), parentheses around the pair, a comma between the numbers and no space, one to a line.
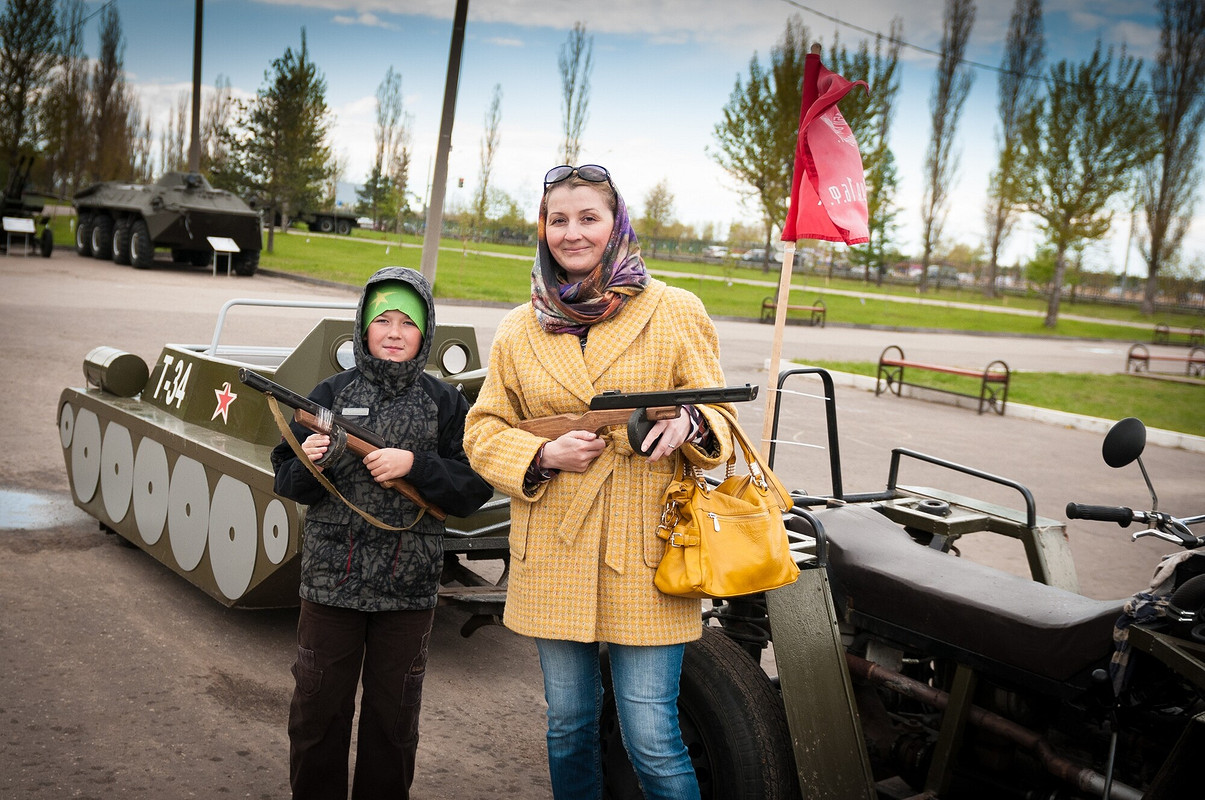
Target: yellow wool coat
(584,547)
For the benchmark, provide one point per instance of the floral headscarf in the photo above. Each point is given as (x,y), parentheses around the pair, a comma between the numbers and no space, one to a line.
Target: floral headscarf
(574,307)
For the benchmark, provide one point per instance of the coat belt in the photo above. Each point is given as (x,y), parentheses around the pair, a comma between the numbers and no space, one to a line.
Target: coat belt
(616,516)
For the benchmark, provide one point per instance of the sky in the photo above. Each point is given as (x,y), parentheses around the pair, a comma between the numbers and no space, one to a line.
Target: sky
(663,71)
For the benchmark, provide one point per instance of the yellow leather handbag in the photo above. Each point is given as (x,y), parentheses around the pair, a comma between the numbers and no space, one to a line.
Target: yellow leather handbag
(728,540)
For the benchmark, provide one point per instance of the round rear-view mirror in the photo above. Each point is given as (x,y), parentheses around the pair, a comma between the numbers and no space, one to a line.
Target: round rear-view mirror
(1124,442)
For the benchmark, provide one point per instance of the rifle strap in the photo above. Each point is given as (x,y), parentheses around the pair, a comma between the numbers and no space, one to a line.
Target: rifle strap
(287,433)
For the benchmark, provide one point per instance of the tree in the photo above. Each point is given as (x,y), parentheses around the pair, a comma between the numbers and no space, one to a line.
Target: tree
(65,113)
(870,116)
(1018,85)
(658,212)
(489,148)
(1167,191)
(27,54)
(115,119)
(1079,146)
(950,89)
(280,152)
(575,63)
(172,157)
(215,119)
(381,194)
(758,129)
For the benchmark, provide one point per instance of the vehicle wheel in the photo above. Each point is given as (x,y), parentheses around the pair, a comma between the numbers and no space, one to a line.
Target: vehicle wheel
(121,242)
(47,242)
(142,249)
(245,263)
(733,724)
(326,224)
(83,236)
(344,227)
(102,237)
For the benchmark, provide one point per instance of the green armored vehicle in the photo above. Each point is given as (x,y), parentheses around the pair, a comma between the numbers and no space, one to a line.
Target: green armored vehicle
(181,211)
(173,458)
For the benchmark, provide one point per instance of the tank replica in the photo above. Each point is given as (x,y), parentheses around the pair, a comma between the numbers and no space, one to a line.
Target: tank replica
(174,459)
(18,204)
(181,211)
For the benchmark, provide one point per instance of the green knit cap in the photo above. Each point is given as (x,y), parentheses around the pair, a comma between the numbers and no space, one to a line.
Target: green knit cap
(395,296)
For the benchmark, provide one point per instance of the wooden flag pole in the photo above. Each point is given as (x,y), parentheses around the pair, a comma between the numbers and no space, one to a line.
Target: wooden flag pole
(780,317)
(780,321)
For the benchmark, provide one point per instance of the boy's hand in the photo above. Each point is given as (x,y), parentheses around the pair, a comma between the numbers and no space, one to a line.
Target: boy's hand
(315,447)
(389,463)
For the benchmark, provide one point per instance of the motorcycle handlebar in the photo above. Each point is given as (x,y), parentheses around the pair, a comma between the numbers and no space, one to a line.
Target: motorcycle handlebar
(1119,514)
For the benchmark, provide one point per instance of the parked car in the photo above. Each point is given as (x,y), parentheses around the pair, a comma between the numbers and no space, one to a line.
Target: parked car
(759,254)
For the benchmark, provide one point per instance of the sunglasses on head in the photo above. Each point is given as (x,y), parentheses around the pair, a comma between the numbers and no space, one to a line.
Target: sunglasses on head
(587,172)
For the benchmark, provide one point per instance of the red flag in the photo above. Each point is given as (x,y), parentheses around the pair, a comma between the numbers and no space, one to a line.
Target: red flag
(828,188)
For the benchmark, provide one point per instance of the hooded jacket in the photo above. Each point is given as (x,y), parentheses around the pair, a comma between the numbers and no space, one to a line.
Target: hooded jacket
(346,561)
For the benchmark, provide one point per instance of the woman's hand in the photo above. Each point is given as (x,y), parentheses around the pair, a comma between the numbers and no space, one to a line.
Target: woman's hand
(573,451)
(389,463)
(669,435)
(315,447)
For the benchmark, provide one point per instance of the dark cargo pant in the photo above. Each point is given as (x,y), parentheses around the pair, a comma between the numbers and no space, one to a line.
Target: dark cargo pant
(332,645)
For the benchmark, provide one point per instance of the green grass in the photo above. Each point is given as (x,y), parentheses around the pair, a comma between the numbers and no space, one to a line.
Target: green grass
(806,285)
(1165,404)
(503,277)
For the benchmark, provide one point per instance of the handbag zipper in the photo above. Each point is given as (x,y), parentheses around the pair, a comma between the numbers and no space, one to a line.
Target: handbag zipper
(715,520)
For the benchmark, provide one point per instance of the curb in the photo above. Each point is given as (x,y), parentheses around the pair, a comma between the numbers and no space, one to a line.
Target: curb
(1155,436)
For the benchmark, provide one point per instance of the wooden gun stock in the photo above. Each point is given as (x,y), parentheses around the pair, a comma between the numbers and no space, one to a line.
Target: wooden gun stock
(362,448)
(639,410)
(560,424)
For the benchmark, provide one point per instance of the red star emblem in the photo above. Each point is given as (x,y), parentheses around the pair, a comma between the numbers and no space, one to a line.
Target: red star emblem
(225,398)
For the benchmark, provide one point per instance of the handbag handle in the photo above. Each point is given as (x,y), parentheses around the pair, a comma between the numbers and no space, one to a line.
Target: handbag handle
(757,466)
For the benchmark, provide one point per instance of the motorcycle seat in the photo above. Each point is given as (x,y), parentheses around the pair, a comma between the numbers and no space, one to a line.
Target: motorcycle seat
(887,575)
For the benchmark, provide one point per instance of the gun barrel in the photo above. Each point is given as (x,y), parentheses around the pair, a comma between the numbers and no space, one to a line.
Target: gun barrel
(677,397)
(299,403)
(282,393)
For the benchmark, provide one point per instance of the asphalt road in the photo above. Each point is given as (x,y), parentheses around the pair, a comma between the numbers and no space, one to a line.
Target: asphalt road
(123,680)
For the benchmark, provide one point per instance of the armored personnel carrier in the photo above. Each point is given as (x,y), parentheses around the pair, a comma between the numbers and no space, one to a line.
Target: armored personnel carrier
(181,211)
(174,459)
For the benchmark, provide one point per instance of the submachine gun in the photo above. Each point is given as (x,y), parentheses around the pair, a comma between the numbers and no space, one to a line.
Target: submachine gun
(344,435)
(638,410)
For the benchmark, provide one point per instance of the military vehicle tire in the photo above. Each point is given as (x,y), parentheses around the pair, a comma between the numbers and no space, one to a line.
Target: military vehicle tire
(102,237)
(47,242)
(245,263)
(733,724)
(121,242)
(83,237)
(343,227)
(142,249)
(326,224)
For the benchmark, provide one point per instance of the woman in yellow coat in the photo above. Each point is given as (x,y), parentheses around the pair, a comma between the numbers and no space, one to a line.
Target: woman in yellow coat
(585,507)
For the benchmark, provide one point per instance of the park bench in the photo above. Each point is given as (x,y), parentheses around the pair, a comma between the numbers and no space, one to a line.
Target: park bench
(993,380)
(1193,337)
(1139,359)
(817,310)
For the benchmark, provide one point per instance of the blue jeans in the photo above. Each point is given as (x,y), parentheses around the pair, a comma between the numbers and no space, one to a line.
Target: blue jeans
(645,682)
